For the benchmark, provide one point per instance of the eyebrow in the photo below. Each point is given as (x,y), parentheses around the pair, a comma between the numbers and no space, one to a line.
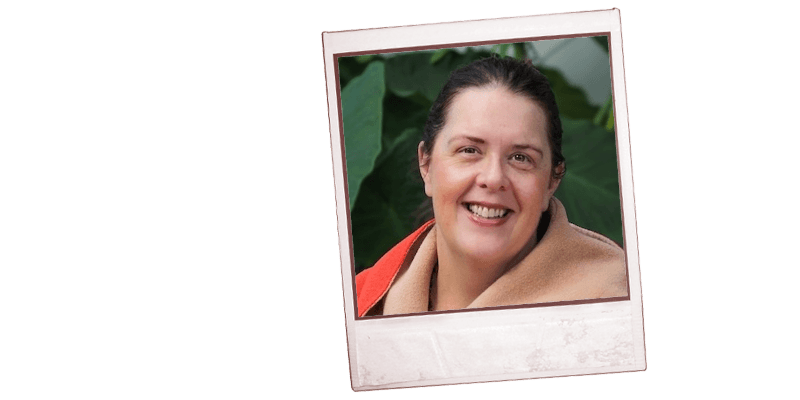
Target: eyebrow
(528,146)
(470,138)
(481,141)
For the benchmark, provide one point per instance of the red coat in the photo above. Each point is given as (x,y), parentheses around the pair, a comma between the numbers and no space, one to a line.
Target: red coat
(373,283)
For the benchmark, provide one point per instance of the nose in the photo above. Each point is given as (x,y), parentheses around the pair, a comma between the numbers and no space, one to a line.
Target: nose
(492,176)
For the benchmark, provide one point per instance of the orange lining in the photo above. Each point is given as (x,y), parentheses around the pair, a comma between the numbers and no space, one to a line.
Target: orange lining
(373,283)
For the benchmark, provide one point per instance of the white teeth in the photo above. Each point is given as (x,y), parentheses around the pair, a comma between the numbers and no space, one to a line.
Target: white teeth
(487,212)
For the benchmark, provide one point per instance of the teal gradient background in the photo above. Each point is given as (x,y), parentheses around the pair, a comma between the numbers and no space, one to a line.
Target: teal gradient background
(168,224)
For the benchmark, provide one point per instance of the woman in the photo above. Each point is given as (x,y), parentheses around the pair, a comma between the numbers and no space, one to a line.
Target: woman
(490,159)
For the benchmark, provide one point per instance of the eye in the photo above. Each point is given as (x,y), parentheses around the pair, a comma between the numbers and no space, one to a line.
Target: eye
(468,150)
(522,160)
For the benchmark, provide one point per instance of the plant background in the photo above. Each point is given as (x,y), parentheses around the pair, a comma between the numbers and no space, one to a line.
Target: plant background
(385,101)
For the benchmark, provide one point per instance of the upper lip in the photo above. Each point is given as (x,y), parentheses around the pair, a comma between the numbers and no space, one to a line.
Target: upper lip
(488,205)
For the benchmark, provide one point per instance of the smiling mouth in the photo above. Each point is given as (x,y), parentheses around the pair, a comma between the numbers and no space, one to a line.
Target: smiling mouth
(486,212)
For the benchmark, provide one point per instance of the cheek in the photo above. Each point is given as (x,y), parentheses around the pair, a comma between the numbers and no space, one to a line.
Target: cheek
(545,194)
(535,193)
(447,182)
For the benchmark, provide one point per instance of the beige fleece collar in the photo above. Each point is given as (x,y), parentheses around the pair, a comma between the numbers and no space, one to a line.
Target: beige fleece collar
(569,263)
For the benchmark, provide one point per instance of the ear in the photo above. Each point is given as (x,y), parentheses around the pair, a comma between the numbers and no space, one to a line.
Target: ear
(424,164)
(552,187)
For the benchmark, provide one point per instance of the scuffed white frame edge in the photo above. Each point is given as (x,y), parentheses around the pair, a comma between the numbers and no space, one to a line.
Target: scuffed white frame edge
(457,34)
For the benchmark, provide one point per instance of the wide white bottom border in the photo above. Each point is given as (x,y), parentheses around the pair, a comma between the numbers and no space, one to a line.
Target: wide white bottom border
(498,345)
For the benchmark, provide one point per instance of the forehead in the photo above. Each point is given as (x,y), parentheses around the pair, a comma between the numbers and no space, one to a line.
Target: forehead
(495,113)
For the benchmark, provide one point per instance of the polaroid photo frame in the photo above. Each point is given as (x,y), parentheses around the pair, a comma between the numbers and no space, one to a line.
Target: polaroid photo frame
(487,344)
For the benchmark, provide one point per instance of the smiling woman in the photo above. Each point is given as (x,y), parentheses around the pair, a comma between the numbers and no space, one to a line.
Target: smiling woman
(491,160)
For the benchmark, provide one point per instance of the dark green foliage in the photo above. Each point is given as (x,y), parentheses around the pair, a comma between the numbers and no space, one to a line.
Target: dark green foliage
(349,68)
(421,75)
(385,103)
(602,41)
(385,211)
(590,189)
(579,107)
(362,114)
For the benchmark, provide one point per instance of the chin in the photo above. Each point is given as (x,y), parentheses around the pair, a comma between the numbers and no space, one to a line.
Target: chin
(480,249)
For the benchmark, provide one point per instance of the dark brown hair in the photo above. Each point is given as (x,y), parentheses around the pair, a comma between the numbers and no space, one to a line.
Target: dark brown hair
(520,77)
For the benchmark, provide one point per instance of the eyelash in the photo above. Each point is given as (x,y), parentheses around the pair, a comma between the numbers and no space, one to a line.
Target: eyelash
(473,150)
(526,158)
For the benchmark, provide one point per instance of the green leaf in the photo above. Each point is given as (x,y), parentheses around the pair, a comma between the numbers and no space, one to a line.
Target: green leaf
(605,116)
(385,211)
(590,189)
(398,178)
(601,114)
(438,54)
(362,115)
(376,228)
(401,114)
(571,100)
(365,58)
(349,68)
(519,51)
(503,51)
(602,41)
(610,122)
(412,73)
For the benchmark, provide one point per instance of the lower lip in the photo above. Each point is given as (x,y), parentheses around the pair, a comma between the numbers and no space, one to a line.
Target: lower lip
(486,221)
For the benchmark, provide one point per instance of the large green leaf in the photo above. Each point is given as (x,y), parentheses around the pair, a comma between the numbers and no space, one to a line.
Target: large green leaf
(398,178)
(438,54)
(411,73)
(376,227)
(362,114)
(414,73)
(572,101)
(386,209)
(590,189)
(399,115)
(349,68)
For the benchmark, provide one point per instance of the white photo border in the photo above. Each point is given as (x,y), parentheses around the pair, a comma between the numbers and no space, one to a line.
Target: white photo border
(560,339)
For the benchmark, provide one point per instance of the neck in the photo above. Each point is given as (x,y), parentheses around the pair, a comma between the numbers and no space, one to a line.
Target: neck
(460,280)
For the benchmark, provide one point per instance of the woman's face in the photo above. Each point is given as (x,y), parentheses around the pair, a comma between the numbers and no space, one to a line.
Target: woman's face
(489,174)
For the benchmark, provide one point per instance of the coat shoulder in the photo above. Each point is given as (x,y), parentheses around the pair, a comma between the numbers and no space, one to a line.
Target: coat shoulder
(608,274)
(373,283)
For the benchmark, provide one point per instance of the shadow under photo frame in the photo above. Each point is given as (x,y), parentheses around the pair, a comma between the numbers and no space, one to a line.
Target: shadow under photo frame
(381,84)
